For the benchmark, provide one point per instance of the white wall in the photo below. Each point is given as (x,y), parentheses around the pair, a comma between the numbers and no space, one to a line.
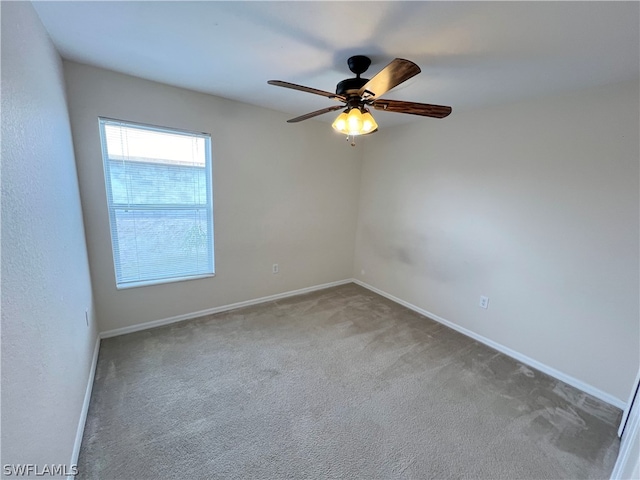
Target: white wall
(534,205)
(46,346)
(283,194)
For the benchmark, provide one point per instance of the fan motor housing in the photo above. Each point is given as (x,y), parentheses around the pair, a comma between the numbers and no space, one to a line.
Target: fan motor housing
(350,85)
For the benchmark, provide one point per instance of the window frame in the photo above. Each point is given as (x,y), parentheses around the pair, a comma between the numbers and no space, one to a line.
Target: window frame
(112,208)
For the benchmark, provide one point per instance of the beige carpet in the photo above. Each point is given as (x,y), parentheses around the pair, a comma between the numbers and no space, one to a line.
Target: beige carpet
(339,383)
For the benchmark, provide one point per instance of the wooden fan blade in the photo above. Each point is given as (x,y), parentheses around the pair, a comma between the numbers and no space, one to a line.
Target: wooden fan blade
(413,108)
(316,113)
(398,71)
(293,86)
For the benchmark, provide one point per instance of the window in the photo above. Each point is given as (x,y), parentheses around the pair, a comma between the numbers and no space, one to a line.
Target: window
(160,202)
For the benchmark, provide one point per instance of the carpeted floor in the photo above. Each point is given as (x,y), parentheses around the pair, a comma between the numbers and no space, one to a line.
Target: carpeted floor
(340,383)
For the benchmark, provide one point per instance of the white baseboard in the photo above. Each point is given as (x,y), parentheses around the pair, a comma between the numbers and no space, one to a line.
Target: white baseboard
(85,407)
(187,316)
(591,390)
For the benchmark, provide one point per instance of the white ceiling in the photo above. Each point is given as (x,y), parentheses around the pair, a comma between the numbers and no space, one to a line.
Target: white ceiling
(472,54)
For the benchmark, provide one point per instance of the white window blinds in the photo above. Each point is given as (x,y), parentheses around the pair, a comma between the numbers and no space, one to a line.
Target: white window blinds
(160,203)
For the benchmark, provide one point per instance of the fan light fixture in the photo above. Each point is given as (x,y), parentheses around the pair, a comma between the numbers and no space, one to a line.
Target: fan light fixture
(355,122)
(358,93)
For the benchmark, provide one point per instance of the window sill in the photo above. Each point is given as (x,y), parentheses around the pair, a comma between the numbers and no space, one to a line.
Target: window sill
(147,283)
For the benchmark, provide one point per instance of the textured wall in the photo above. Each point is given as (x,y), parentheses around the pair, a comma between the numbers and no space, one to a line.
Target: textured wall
(283,193)
(46,345)
(534,205)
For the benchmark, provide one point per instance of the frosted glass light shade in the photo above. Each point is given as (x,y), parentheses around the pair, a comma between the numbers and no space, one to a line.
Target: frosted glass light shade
(368,123)
(355,122)
(340,123)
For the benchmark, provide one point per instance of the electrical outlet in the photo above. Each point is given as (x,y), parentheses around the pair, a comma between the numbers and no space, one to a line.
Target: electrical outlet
(86,316)
(484,301)
(362,272)
(276,269)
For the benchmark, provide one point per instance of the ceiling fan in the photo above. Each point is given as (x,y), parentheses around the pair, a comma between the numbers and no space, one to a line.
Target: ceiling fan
(359,93)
